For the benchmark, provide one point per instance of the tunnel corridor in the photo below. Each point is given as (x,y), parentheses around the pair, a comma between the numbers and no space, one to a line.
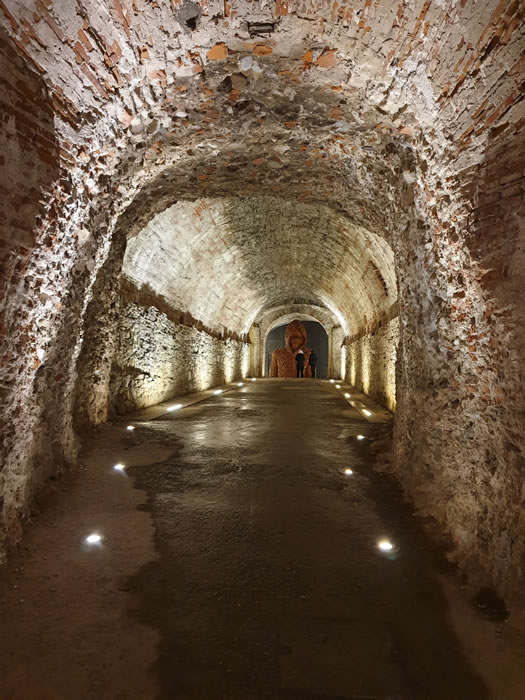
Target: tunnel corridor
(275,565)
(178,179)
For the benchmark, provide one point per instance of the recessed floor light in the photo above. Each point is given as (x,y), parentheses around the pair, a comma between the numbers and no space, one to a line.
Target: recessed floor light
(93,538)
(175,407)
(360,437)
(348,472)
(367,412)
(385,546)
(119,467)
(130,427)
(218,391)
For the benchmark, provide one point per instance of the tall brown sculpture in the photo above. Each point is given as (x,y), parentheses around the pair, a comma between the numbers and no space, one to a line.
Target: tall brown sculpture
(283,359)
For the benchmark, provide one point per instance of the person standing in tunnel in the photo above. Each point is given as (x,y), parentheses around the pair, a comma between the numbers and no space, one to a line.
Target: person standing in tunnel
(299,362)
(312,361)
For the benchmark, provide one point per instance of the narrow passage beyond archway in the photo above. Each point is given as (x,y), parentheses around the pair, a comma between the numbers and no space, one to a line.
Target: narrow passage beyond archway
(266,581)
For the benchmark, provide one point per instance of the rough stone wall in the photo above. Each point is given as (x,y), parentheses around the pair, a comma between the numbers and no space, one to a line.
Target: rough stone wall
(459,438)
(47,264)
(99,341)
(157,359)
(370,363)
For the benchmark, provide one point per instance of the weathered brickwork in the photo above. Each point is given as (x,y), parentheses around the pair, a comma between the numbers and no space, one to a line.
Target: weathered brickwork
(459,438)
(157,359)
(358,156)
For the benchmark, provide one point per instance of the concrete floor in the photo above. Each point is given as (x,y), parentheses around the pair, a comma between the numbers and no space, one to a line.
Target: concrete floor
(240,562)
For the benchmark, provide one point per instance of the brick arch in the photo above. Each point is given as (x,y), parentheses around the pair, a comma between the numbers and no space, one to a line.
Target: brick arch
(275,316)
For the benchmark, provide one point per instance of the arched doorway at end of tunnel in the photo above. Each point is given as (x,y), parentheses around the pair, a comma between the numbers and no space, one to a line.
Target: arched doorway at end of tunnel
(317,340)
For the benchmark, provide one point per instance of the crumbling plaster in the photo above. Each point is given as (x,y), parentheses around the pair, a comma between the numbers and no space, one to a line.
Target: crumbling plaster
(402,117)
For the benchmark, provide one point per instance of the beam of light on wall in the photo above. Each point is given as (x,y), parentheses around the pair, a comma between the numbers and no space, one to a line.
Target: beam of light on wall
(245,360)
(366,361)
(119,467)
(203,367)
(175,407)
(353,364)
(94,538)
(229,361)
(366,412)
(130,427)
(343,361)
(392,334)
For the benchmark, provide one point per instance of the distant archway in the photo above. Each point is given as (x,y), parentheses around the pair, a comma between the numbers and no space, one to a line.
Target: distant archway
(317,340)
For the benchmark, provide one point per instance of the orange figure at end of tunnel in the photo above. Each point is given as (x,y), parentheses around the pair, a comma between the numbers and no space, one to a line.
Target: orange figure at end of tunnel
(284,359)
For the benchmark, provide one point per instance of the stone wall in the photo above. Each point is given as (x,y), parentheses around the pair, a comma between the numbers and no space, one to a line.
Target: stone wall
(157,358)
(458,439)
(370,363)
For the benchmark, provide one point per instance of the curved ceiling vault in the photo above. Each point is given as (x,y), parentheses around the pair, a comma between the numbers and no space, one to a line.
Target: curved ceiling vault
(157,102)
(226,260)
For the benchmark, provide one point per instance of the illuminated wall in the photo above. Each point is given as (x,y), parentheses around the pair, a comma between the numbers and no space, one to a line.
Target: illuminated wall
(157,359)
(370,363)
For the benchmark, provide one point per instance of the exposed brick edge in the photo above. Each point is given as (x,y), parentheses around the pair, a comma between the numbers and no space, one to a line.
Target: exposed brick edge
(146,297)
(370,329)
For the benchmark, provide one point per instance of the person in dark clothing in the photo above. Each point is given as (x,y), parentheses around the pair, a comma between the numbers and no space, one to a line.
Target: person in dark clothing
(299,363)
(312,361)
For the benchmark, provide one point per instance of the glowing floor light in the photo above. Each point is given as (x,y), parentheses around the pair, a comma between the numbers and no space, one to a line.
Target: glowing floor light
(93,538)
(385,546)
(348,472)
(360,437)
(175,407)
(347,396)
(130,427)
(332,381)
(367,412)
(119,467)
(240,383)
(337,386)
(254,379)
(217,391)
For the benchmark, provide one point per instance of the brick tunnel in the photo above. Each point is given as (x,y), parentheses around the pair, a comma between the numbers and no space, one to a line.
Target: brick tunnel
(180,178)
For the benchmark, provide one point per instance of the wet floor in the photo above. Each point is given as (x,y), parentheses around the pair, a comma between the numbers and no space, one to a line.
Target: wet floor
(270,583)
(239,562)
